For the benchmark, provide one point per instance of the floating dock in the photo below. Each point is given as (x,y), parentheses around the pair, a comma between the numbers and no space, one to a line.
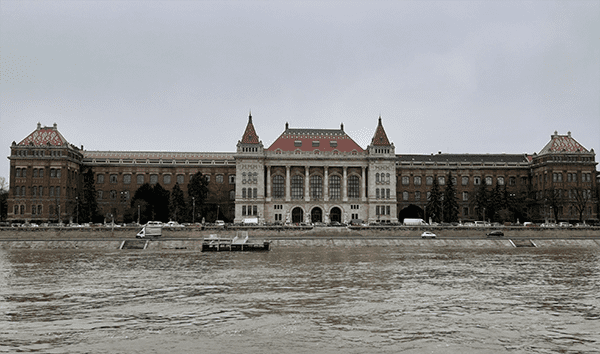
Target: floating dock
(214,243)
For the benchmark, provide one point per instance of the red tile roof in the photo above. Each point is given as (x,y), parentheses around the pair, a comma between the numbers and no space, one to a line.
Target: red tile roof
(380,138)
(315,139)
(562,143)
(44,136)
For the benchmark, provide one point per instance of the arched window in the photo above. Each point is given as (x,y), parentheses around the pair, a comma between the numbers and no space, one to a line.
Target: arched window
(488,181)
(140,179)
(335,187)
(278,186)
(297,187)
(316,187)
(501,180)
(377,177)
(377,193)
(243,193)
(387,178)
(353,187)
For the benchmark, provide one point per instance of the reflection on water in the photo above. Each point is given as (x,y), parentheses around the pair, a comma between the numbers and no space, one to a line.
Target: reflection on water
(301,300)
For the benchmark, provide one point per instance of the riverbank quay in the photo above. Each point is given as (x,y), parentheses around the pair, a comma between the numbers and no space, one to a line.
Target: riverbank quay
(191,238)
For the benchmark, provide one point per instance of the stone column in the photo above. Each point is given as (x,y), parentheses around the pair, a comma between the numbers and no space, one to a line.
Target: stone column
(363,186)
(268,194)
(306,184)
(345,185)
(288,184)
(326,184)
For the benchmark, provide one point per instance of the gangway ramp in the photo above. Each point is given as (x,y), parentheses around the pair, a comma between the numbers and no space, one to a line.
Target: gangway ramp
(134,245)
(523,243)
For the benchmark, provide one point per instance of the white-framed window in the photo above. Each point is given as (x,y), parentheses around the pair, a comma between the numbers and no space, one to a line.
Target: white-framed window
(231,179)
(219,178)
(417,180)
(405,180)
(127,179)
(99,178)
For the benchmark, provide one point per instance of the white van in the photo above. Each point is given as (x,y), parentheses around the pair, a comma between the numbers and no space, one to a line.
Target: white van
(414,222)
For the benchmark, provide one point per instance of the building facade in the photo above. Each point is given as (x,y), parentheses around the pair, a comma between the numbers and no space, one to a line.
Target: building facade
(305,176)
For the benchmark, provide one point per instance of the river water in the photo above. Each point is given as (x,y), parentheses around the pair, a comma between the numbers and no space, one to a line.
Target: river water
(301,300)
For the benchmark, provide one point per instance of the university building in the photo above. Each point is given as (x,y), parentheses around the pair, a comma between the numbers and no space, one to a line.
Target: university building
(305,175)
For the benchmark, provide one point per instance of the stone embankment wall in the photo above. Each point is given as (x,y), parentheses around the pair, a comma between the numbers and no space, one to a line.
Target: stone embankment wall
(103,233)
(191,239)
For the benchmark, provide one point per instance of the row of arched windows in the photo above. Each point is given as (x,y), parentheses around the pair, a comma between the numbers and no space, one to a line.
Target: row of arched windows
(316,187)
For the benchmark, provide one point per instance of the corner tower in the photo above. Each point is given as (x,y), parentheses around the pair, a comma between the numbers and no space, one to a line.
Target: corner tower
(382,178)
(250,180)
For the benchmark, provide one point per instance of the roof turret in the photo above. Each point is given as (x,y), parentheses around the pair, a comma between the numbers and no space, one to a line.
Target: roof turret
(380,138)
(250,136)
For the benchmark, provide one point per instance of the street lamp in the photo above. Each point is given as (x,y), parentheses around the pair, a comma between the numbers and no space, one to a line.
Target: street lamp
(193,210)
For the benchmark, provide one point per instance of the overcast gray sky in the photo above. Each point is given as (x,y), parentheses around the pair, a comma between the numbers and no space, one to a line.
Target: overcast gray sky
(460,77)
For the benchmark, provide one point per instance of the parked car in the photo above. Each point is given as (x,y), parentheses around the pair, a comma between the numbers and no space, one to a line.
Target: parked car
(219,223)
(173,224)
(495,233)
(564,224)
(428,234)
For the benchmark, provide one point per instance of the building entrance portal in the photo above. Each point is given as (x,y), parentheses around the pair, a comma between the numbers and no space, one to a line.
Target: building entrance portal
(316,215)
(297,215)
(335,215)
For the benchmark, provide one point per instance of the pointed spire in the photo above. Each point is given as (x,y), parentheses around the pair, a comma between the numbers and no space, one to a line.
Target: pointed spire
(250,136)
(380,138)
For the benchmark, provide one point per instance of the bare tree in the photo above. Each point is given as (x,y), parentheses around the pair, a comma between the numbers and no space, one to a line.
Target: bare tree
(580,199)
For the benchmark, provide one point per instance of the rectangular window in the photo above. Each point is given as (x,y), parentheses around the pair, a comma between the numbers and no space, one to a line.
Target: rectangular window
(405,180)
(127,179)
(465,181)
(167,179)
(297,143)
(417,181)
(219,179)
(254,210)
(99,178)
(417,195)
(24,172)
(315,143)
(153,179)
(243,210)
(41,172)
(113,179)
(140,179)
(231,179)
(255,193)
(18,172)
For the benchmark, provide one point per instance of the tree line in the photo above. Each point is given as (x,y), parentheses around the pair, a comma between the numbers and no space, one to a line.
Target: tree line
(150,202)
